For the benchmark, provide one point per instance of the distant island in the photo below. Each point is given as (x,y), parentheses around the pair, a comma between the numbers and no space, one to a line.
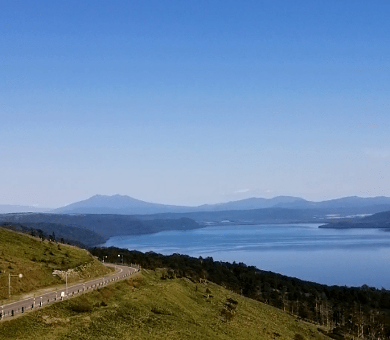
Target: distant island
(379,220)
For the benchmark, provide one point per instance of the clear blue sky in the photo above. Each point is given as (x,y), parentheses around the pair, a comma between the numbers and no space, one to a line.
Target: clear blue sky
(190,102)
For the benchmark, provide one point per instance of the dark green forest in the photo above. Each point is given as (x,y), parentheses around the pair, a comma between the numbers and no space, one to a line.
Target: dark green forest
(357,311)
(103,225)
(58,232)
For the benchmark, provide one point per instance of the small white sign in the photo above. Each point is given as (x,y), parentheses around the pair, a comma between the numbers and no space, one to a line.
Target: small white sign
(62,294)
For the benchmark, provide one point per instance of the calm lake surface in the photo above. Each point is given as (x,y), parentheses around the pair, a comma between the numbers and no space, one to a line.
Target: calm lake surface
(351,257)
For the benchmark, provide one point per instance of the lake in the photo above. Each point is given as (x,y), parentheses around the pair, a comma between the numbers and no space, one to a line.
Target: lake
(351,257)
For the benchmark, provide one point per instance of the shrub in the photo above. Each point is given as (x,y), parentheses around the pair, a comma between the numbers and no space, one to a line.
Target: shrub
(81,305)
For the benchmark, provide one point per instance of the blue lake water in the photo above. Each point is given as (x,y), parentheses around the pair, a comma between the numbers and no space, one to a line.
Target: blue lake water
(351,257)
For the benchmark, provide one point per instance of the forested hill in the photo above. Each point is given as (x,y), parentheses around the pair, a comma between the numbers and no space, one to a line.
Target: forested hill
(66,234)
(380,220)
(103,225)
(363,312)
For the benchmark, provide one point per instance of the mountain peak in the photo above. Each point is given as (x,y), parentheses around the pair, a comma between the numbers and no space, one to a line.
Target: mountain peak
(123,204)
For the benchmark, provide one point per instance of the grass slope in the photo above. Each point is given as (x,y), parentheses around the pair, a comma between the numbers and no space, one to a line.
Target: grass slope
(37,259)
(147,307)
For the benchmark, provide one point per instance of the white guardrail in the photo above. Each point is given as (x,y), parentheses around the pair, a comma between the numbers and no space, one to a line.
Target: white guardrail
(45,299)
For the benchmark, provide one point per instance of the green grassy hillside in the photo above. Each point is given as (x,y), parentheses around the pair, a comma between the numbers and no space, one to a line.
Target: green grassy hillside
(147,307)
(37,259)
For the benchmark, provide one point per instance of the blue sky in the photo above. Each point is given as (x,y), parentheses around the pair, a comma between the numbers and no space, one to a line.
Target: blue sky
(191,102)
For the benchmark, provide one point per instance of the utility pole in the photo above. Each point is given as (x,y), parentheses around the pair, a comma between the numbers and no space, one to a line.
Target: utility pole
(9,282)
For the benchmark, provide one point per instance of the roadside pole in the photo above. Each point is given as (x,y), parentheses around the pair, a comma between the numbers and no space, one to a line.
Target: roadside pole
(9,282)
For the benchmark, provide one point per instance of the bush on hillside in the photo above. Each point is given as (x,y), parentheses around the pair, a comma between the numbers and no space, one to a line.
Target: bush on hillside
(81,305)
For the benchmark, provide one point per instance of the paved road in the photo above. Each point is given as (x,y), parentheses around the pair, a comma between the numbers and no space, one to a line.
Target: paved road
(22,306)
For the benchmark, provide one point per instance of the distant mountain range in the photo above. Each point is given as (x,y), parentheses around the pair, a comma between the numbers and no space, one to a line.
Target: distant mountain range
(125,205)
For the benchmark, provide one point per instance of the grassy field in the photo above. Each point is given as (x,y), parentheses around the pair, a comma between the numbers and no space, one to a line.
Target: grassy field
(147,307)
(36,260)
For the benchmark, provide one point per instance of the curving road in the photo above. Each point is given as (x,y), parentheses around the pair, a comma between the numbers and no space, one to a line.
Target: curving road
(32,303)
